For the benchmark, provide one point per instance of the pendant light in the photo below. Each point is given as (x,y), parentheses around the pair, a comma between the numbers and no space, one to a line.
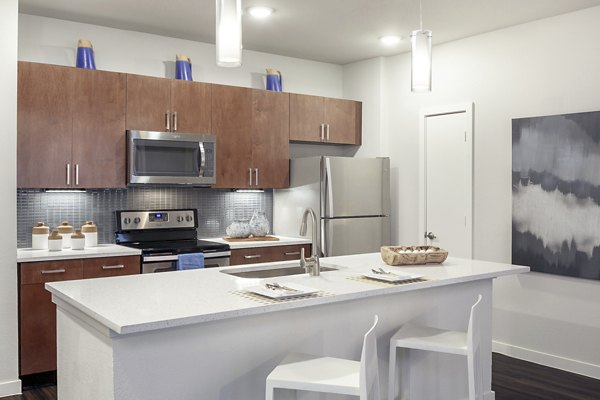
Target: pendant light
(420,57)
(229,33)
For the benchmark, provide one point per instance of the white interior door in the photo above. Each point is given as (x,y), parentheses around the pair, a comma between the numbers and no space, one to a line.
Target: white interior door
(447,179)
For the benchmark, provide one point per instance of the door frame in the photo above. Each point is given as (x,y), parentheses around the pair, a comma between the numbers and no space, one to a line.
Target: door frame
(424,113)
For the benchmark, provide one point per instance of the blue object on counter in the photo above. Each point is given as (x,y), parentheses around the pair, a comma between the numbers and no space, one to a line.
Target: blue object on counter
(190,261)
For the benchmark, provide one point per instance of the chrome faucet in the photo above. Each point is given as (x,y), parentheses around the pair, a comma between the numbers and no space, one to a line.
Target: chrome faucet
(310,265)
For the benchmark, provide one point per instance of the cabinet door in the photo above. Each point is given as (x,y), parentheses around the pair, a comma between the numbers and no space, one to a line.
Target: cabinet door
(111,266)
(44,125)
(191,102)
(232,125)
(306,118)
(270,139)
(148,101)
(344,118)
(37,313)
(99,129)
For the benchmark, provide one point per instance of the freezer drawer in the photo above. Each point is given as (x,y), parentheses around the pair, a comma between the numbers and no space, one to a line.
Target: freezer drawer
(345,236)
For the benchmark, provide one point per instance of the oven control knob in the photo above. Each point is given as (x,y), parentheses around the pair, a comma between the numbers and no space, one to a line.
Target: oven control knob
(188,218)
(180,219)
(126,221)
(136,220)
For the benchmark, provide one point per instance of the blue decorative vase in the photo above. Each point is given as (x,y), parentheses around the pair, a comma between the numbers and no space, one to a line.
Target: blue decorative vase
(85,55)
(274,80)
(183,68)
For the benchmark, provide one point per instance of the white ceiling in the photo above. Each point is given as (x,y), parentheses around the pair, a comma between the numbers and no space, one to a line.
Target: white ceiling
(336,31)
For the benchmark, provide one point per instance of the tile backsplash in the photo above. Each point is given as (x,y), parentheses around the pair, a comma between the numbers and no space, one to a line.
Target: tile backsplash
(216,208)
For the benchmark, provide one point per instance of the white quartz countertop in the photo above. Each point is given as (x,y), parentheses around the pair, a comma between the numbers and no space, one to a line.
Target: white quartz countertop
(283,241)
(138,303)
(103,250)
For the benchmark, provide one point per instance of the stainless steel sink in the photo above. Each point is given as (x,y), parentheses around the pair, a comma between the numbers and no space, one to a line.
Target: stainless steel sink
(273,271)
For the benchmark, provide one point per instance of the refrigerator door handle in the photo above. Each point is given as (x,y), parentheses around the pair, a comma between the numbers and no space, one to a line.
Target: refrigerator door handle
(326,232)
(327,205)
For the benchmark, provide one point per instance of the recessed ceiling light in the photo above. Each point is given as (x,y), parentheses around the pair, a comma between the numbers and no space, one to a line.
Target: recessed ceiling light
(390,40)
(260,11)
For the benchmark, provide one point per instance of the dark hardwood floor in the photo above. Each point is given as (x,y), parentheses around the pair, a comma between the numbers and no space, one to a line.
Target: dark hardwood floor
(512,379)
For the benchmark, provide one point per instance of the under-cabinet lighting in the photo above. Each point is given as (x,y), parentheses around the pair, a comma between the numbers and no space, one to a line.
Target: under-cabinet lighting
(249,190)
(65,190)
(229,33)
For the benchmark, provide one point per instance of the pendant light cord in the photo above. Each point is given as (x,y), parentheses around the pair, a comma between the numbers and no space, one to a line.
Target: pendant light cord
(420,15)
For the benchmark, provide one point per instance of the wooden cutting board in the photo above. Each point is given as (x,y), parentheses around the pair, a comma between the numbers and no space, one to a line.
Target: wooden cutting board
(252,239)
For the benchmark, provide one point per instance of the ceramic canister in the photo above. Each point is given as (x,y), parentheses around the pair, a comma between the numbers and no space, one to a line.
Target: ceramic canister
(65,230)
(183,67)
(55,241)
(85,55)
(39,236)
(77,240)
(90,231)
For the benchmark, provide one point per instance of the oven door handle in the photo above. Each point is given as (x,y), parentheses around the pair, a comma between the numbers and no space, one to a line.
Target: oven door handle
(172,257)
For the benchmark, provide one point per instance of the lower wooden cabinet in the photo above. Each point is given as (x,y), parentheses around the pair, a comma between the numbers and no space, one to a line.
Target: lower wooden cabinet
(267,254)
(37,313)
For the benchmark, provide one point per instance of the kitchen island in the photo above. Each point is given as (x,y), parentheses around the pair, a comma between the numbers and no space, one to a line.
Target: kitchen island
(199,335)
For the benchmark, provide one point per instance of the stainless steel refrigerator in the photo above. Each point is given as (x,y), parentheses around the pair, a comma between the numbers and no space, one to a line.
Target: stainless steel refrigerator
(350,196)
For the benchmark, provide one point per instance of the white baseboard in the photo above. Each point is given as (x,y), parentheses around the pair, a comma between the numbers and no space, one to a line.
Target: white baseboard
(550,360)
(10,388)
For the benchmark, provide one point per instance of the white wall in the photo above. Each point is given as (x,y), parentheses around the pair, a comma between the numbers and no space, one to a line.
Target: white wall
(9,382)
(54,41)
(541,68)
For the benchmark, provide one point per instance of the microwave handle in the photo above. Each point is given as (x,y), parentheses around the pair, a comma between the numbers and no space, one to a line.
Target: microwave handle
(202,160)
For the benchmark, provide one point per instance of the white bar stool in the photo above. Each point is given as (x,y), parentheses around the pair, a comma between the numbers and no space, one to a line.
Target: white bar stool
(417,337)
(330,375)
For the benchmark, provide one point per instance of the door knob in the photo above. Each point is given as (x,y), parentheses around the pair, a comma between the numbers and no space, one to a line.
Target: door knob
(430,235)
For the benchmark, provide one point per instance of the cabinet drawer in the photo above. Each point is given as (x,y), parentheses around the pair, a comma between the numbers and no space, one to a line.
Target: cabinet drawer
(50,271)
(267,254)
(287,253)
(250,256)
(111,266)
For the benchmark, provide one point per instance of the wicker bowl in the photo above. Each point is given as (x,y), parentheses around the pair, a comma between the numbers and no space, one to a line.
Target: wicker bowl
(412,255)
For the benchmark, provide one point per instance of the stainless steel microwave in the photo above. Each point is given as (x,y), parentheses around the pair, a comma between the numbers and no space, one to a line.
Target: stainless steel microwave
(170,158)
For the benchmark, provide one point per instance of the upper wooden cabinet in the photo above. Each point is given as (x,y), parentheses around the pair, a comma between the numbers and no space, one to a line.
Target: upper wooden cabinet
(167,105)
(326,120)
(252,129)
(71,127)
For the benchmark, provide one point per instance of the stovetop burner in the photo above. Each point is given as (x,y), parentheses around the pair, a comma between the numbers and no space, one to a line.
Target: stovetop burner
(178,246)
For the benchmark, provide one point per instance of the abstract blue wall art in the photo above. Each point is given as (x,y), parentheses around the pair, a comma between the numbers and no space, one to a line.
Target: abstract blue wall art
(556,194)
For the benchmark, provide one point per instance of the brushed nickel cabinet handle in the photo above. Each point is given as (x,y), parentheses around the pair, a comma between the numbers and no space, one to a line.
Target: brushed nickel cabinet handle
(327,125)
(250,174)
(68,174)
(174,121)
(322,128)
(256,176)
(120,266)
(53,271)
(252,256)
(76,174)
(292,253)
(168,121)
